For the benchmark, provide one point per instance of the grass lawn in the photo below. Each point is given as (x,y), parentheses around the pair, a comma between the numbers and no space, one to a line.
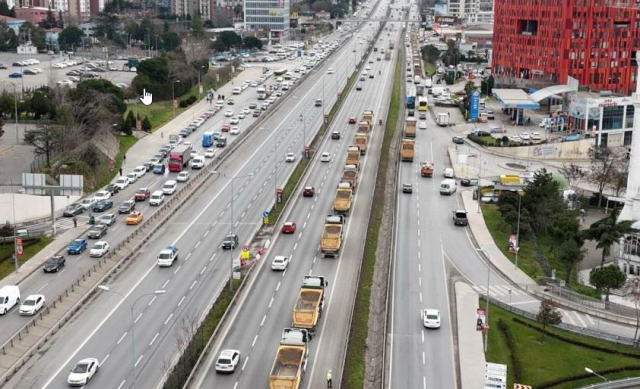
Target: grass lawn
(160,112)
(429,68)
(555,359)
(7,266)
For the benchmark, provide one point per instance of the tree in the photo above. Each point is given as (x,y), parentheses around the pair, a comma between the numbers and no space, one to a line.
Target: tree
(129,123)
(69,37)
(608,231)
(607,278)
(170,40)
(570,253)
(50,21)
(8,37)
(237,10)
(102,86)
(146,124)
(197,29)
(619,175)
(573,174)
(486,86)
(601,169)
(251,42)
(45,139)
(430,53)
(548,314)
(4,9)
(40,104)
(543,200)
(452,56)
(106,25)
(229,39)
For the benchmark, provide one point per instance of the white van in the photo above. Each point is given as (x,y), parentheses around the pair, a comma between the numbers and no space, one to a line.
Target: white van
(9,296)
(169,187)
(417,80)
(448,186)
(157,197)
(237,90)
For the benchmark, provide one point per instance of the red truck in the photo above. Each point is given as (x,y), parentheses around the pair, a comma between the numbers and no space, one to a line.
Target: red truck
(179,158)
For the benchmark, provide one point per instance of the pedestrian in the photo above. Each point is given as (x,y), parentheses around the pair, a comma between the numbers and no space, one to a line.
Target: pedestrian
(124,158)
(120,171)
(75,222)
(329,378)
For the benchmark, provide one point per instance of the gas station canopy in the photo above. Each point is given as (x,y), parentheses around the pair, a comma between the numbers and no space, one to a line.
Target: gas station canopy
(514,98)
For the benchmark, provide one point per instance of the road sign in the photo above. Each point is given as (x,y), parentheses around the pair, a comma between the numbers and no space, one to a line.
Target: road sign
(265,214)
(265,221)
(19,250)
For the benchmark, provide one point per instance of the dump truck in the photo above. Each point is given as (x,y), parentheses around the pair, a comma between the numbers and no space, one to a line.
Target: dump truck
(410,127)
(361,141)
(350,175)
(291,359)
(364,127)
(353,156)
(342,201)
(308,308)
(426,169)
(367,116)
(331,242)
(406,150)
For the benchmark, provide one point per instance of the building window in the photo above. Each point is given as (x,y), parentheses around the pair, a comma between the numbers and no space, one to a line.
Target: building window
(612,117)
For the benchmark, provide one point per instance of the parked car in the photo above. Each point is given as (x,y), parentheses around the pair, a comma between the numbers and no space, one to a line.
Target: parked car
(73,210)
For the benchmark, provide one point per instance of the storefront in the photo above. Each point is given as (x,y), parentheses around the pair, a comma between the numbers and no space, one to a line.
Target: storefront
(609,119)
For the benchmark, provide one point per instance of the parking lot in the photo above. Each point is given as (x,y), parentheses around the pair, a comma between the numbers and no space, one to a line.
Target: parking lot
(50,75)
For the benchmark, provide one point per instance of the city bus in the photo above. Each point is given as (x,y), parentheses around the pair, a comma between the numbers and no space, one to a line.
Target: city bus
(422,103)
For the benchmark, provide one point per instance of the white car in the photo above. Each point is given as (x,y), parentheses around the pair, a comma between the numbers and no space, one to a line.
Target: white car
(132,177)
(330,71)
(156,198)
(280,262)
(290,157)
(536,136)
(209,153)
(193,153)
(140,171)
(122,182)
(431,318)
(227,361)
(83,371)
(234,120)
(99,249)
(182,176)
(228,113)
(235,130)
(242,115)
(197,162)
(325,157)
(88,202)
(102,195)
(65,82)
(367,67)
(448,173)
(253,84)
(422,125)
(525,136)
(186,143)
(246,111)
(32,304)
(220,103)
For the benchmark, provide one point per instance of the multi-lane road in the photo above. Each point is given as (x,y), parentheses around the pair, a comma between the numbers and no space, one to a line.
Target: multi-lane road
(103,329)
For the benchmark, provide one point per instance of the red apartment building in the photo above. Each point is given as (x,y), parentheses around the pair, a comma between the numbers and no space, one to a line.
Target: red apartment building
(537,43)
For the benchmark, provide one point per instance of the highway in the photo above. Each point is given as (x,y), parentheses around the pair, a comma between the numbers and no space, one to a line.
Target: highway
(103,329)
(256,326)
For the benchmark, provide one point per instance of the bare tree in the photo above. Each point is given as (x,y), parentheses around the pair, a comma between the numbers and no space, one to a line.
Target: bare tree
(601,169)
(573,173)
(619,175)
(185,331)
(633,291)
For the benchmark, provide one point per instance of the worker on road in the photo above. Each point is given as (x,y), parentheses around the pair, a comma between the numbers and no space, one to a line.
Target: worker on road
(329,378)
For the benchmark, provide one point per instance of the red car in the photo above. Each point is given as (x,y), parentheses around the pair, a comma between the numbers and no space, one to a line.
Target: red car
(309,191)
(256,113)
(352,120)
(225,127)
(142,194)
(288,228)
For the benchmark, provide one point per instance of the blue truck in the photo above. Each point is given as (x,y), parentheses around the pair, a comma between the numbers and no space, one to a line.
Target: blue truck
(207,139)
(411,102)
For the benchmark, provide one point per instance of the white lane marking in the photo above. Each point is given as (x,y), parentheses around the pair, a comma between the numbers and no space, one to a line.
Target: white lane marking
(104,360)
(295,246)
(203,269)
(122,383)
(206,233)
(255,338)
(165,284)
(271,302)
(154,339)
(424,358)
(43,286)
(243,213)
(188,256)
(422,332)
(181,300)
(139,359)
(138,318)
(194,284)
(177,270)
(152,300)
(245,363)
(122,337)
(420,296)
(197,244)
(278,287)
(419,281)
(300,235)
(419,267)
(169,318)
(235,385)
(263,319)
(304,225)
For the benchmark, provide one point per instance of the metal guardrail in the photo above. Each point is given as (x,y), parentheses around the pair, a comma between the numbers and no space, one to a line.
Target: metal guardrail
(608,306)
(617,384)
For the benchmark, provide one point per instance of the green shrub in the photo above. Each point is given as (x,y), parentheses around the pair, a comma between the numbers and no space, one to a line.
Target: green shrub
(183,104)
(511,344)
(191,100)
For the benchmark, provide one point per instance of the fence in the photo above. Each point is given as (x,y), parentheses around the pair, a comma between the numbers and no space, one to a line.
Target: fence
(586,301)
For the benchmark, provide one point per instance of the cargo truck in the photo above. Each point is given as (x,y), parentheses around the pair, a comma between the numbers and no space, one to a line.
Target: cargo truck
(406,150)
(442,119)
(179,158)
(364,127)
(342,201)
(350,175)
(361,141)
(367,116)
(426,169)
(331,241)
(390,45)
(207,139)
(387,55)
(353,156)
(410,128)
(308,309)
(291,359)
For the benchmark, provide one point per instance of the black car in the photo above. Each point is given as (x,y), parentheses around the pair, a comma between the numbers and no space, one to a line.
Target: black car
(335,135)
(73,210)
(216,135)
(221,142)
(458,140)
(127,206)
(112,189)
(97,231)
(102,205)
(184,133)
(53,264)
(148,165)
(160,156)
(230,242)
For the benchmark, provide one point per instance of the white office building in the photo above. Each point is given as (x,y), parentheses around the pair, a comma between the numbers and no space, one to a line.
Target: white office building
(471,11)
(268,19)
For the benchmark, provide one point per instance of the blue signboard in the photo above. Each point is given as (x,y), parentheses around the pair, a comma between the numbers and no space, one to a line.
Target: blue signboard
(474,106)
(265,214)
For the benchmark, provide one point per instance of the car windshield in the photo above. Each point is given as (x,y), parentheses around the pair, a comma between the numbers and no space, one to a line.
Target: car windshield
(99,247)
(141,191)
(29,302)
(80,368)
(77,242)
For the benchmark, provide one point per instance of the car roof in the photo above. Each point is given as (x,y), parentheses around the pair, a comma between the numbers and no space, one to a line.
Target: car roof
(34,296)
(228,353)
(432,312)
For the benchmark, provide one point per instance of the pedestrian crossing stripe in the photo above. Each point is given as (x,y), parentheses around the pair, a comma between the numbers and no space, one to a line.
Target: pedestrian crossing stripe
(498,290)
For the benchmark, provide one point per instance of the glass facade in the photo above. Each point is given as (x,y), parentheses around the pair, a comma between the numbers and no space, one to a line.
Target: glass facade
(268,18)
(609,119)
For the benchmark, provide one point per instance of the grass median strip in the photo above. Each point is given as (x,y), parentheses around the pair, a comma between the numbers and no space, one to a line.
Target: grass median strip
(354,368)
(7,266)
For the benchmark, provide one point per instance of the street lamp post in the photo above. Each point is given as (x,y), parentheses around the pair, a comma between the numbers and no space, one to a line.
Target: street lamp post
(486,332)
(131,307)
(15,104)
(588,370)
(199,85)
(173,96)
(304,131)
(517,248)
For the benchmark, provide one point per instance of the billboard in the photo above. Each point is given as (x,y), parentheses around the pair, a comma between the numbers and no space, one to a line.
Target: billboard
(443,19)
(474,106)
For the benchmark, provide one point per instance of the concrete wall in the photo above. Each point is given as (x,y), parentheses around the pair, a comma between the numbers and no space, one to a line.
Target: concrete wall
(30,207)
(562,150)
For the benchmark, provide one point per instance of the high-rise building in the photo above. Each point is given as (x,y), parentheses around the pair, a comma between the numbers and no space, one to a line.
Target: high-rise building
(268,19)
(538,43)
(471,11)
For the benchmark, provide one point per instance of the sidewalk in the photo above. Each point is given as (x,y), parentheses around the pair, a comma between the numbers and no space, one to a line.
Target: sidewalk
(470,348)
(60,241)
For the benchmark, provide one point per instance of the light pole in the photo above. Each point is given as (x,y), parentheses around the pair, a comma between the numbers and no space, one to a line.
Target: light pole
(304,130)
(131,306)
(173,96)
(517,248)
(199,85)
(15,104)
(232,232)
(588,370)
(486,331)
